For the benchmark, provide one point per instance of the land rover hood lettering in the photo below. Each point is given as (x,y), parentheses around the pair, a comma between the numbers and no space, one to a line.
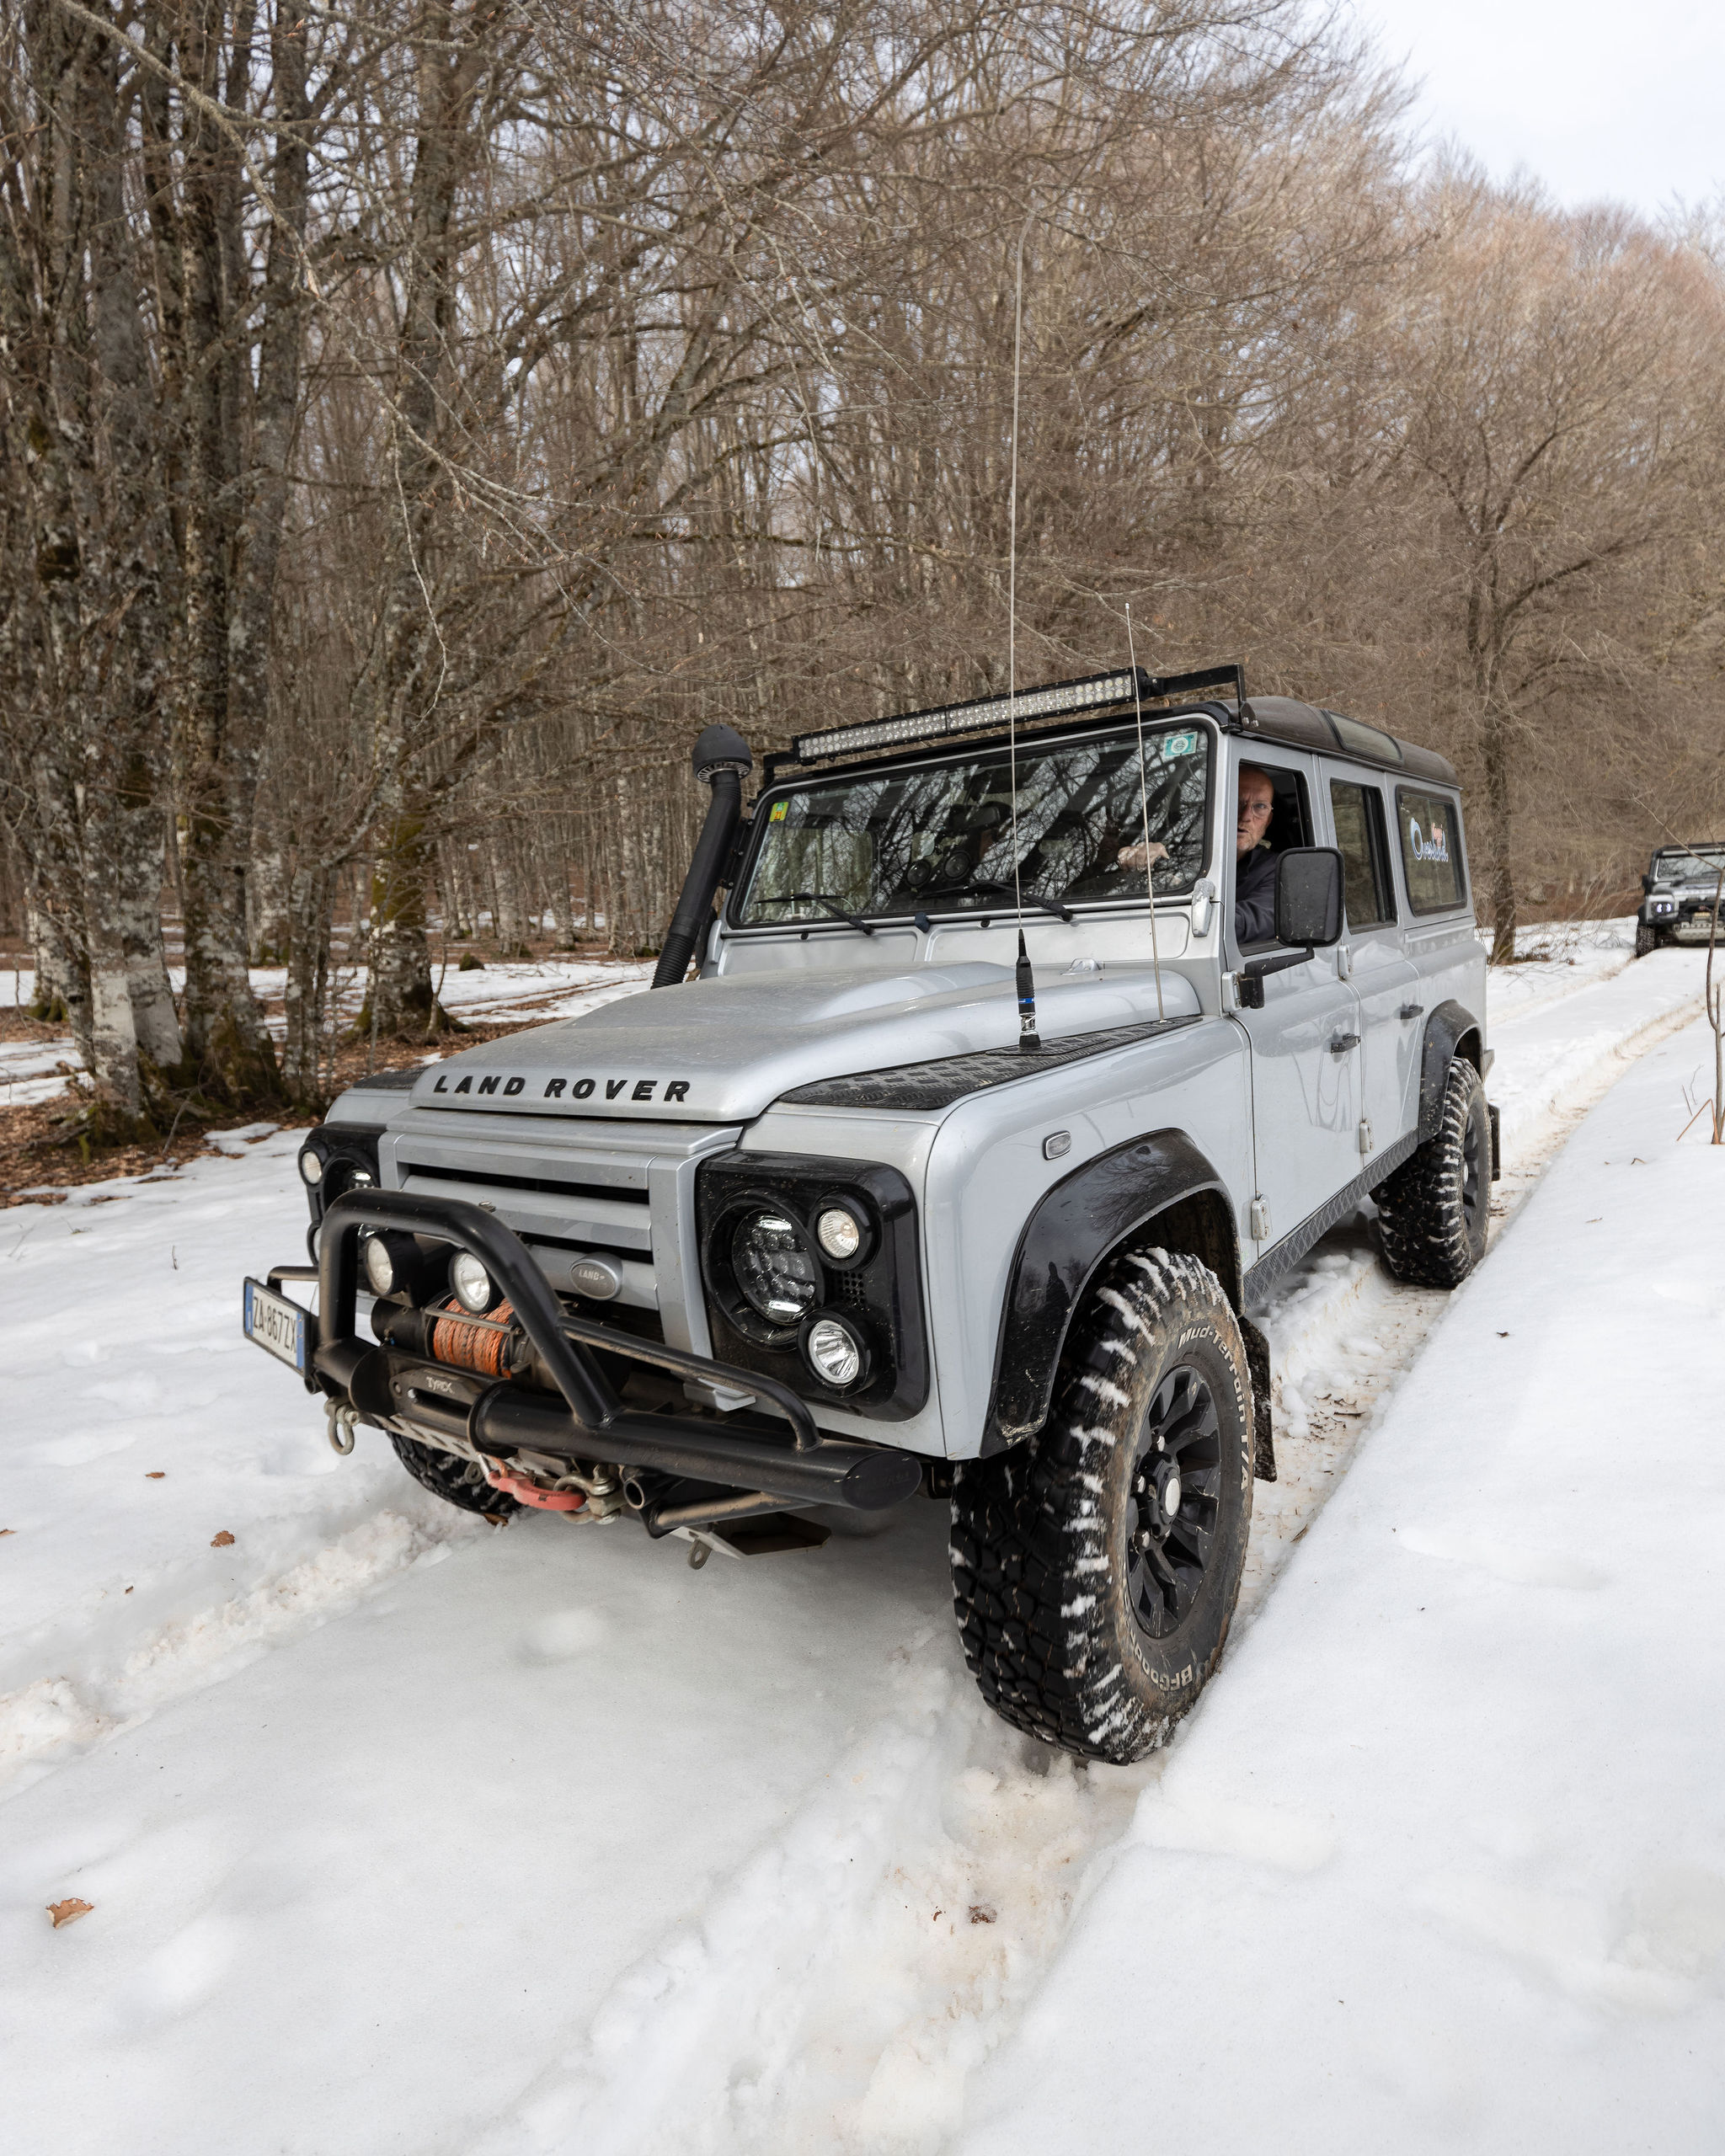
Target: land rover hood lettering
(715,1051)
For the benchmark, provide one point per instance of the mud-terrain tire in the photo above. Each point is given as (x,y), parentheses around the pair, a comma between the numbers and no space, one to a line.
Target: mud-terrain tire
(457,1481)
(1433,1211)
(1091,1616)
(1646,939)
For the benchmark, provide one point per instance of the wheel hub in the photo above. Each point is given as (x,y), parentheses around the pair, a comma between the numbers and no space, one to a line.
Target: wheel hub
(1176,1488)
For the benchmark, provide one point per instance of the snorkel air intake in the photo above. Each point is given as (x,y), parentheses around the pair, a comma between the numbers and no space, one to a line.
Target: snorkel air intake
(721,758)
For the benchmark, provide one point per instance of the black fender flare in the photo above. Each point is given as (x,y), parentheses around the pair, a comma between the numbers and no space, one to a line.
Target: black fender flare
(1449,1030)
(1072,1229)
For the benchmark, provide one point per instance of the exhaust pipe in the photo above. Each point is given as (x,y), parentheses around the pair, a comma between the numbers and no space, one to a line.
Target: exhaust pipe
(721,761)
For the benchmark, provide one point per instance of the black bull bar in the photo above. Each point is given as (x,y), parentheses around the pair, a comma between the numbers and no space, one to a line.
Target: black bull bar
(589,1422)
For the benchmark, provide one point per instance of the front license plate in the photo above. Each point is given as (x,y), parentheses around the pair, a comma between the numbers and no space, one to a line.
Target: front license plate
(276,1324)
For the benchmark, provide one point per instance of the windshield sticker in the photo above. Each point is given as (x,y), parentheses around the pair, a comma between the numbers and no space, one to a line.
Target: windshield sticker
(776,814)
(1175,745)
(1436,848)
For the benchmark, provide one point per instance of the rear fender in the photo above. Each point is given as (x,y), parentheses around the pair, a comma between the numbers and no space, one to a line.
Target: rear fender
(1450,1031)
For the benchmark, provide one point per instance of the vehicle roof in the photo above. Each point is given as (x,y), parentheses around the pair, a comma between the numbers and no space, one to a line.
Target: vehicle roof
(1697,846)
(1311,726)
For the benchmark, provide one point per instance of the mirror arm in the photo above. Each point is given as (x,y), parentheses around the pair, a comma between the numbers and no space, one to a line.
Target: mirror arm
(1249,980)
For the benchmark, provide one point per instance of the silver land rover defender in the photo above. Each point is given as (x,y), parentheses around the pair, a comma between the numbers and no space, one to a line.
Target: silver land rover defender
(960,1164)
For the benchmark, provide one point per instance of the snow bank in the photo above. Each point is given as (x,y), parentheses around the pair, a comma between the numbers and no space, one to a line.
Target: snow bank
(1439,1858)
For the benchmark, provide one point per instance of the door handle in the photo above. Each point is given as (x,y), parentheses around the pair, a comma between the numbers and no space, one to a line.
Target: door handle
(1341,1042)
(1410,1010)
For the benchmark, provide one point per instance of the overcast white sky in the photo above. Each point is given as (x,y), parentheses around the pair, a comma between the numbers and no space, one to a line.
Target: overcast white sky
(1625,100)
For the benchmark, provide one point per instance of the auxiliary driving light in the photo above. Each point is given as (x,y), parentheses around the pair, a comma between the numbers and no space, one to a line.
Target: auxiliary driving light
(472,1284)
(835,1353)
(312,1165)
(840,1233)
(380,1266)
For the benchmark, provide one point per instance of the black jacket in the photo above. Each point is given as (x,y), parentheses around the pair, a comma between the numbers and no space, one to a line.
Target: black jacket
(1255,897)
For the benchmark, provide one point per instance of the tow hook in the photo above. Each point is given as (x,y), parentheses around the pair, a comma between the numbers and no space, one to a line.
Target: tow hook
(530,1493)
(342,1423)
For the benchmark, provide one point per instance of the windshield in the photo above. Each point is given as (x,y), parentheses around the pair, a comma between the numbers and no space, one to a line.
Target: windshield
(938,838)
(1687,867)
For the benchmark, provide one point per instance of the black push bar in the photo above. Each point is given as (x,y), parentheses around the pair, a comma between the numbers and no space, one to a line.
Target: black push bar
(589,1422)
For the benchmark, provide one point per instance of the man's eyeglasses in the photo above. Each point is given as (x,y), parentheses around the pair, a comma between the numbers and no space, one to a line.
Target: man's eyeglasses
(1255,807)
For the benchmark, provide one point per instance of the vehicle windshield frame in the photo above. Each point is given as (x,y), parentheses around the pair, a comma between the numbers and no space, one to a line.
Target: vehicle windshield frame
(1663,872)
(931,755)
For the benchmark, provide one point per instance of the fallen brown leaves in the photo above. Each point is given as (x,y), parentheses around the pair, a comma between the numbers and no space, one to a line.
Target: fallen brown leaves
(155,1474)
(221,1541)
(69,1912)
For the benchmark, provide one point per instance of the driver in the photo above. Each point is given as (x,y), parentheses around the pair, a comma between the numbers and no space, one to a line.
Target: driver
(1254,864)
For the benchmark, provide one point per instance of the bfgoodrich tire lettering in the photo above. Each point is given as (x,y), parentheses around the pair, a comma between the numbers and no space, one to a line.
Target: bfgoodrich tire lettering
(457,1481)
(1095,1571)
(1432,1212)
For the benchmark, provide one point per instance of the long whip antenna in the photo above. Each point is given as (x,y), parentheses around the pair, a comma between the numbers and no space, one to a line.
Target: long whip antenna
(1028,1038)
(1156,963)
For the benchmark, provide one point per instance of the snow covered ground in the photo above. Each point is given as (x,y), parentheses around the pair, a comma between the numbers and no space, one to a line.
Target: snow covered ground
(404,1833)
(1441,1861)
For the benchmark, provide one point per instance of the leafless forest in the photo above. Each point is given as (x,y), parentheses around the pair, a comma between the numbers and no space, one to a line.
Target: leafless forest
(421,418)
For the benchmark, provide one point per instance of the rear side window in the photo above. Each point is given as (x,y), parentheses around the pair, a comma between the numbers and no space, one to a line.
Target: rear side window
(1359,811)
(1430,828)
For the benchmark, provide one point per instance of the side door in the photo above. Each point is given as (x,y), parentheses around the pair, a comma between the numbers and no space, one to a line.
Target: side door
(1383,978)
(1305,1089)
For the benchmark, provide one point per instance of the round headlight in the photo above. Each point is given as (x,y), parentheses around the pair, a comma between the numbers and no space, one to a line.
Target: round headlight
(834,1352)
(472,1284)
(312,1165)
(775,1269)
(839,1232)
(380,1267)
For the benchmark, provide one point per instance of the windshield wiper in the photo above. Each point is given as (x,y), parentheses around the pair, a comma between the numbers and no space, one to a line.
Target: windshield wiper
(981,890)
(823,898)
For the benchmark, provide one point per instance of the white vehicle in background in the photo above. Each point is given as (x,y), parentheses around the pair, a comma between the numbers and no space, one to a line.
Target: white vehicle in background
(1679,893)
(958,1167)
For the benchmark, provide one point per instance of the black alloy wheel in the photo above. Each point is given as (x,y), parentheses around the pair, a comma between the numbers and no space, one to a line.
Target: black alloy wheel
(1177,1484)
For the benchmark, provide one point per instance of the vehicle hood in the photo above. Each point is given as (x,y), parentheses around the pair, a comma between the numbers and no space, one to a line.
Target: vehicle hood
(724,1050)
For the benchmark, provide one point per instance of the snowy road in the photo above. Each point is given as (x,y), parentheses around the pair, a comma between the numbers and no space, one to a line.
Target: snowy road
(544,1842)
(1444,1851)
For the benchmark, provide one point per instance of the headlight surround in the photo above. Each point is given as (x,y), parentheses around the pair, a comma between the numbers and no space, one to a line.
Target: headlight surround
(771,1262)
(767,1286)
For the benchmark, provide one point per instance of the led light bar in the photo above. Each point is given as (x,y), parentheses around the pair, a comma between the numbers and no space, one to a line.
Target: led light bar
(1095,692)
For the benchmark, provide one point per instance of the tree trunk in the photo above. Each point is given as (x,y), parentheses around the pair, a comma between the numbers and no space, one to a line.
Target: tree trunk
(310,904)
(402,1004)
(1500,866)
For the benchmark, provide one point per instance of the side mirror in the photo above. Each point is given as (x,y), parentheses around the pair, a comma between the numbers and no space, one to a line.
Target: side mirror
(1309,896)
(1646,882)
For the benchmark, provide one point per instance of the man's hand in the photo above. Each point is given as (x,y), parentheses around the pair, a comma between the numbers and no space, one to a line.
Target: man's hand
(1140,855)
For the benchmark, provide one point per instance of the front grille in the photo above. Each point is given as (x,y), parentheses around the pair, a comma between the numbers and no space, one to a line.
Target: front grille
(624,1192)
(546,1186)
